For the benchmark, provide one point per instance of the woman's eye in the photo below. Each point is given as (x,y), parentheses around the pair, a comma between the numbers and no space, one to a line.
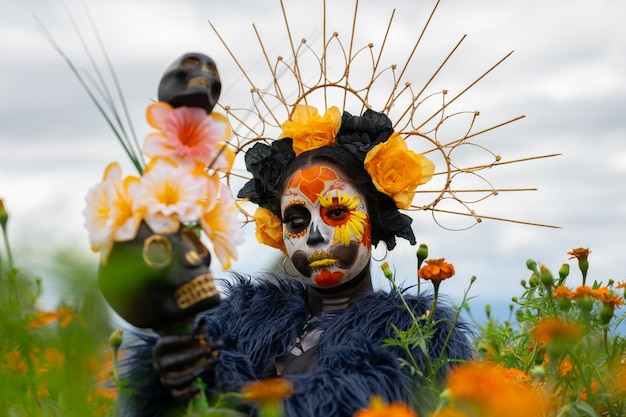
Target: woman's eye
(295,224)
(297,218)
(336,213)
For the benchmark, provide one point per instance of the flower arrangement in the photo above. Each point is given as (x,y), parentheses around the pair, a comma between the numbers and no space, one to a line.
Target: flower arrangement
(561,352)
(395,169)
(175,188)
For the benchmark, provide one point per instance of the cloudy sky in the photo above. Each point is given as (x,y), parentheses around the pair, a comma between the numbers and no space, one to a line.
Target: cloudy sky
(566,76)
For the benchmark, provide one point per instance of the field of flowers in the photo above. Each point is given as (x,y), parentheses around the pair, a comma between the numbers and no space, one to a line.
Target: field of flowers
(561,351)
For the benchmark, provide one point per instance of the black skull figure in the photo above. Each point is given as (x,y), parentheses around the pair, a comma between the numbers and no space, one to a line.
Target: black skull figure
(159,281)
(192,81)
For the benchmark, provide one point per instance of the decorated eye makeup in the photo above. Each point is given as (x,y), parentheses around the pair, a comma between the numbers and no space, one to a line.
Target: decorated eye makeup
(296,219)
(341,212)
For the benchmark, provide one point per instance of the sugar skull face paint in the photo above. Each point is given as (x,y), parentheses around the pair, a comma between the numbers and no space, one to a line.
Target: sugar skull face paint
(325,226)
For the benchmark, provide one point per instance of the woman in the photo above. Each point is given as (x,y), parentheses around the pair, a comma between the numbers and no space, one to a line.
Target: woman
(325,329)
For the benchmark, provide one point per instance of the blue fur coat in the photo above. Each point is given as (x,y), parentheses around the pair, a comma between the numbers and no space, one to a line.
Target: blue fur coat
(260,319)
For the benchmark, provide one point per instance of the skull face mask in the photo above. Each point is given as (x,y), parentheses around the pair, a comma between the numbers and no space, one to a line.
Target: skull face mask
(326,227)
(191,81)
(159,280)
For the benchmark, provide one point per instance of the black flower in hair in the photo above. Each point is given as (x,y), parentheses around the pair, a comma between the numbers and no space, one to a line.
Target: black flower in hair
(359,134)
(266,163)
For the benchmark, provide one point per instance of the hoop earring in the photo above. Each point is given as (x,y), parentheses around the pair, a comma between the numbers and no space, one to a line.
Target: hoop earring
(384,256)
(287,272)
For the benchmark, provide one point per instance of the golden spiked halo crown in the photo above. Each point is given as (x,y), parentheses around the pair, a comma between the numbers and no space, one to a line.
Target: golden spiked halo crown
(334,69)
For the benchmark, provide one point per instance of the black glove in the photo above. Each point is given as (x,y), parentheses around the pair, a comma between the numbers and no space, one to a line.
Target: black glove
(180,359)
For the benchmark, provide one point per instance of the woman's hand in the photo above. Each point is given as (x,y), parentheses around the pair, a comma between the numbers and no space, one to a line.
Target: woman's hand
(180,359)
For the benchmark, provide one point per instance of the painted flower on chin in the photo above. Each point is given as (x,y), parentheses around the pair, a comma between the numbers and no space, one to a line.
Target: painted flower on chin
(188,134)
(170,195)
(327,278)
(309,130)
(111,213)
(397,171)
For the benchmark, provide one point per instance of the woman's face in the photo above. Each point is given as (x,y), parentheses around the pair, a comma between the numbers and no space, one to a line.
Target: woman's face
(326,227)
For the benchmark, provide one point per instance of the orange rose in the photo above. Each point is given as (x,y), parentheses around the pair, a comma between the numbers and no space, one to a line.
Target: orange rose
(269,229)
(397,171)
(309,130)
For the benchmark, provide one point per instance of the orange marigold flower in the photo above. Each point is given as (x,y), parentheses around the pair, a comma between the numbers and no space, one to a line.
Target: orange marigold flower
(562,292)
(579,253)
(436,270)
(379,408)
(598,293)
(612,299)
(268,390)
(581,291)
(551,329)
(65,315)
(473,386)
(594,388)
(621,284)
(14,362)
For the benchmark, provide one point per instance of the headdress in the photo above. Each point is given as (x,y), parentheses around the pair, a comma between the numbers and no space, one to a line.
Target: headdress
(334,92)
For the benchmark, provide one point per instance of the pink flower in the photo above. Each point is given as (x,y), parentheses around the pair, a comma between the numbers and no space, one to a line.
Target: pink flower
(188,134)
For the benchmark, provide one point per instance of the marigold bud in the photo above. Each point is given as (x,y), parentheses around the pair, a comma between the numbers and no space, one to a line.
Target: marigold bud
(533,281)
(538,372)
(606,313)
(585,303)
(564,271)
(546,277)
(4,215)
(564,304)
(422,253)
(387,270)
(531,265)
(115,340)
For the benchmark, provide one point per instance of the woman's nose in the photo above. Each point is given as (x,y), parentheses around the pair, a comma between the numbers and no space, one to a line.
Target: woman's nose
(315,236)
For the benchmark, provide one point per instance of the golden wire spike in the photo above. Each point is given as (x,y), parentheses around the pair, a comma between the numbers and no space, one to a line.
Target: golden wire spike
(337,68)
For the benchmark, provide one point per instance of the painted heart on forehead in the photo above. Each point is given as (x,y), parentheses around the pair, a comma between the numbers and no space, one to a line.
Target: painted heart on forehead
(312,181)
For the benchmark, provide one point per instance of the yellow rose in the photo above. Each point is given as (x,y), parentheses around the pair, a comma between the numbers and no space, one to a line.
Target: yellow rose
(397,171)
(269,229)
(309,130)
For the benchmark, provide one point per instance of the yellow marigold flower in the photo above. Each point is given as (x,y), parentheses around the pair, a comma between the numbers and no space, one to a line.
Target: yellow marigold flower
(309,130)
(379,408)
(268,390)
(562,292)
(269,229)
(397,171)
(473,386)
(436,270)
(579,253)
(551,330)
